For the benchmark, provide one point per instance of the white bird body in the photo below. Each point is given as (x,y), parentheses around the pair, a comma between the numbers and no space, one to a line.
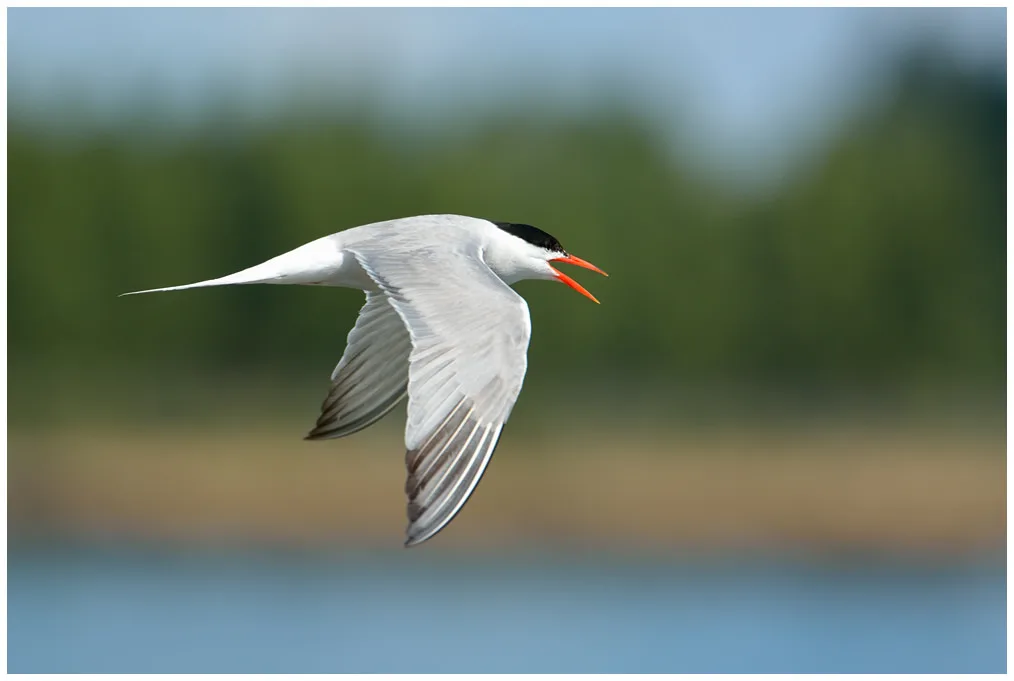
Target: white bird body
(441,324)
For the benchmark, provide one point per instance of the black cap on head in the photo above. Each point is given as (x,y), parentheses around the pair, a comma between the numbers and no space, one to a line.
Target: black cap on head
(532,235)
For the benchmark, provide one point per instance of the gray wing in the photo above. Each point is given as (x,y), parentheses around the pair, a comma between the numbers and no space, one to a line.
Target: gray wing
(470,334)
(372,376)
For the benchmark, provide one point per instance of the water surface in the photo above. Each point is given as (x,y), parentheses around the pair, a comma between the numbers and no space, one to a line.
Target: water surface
(430,611)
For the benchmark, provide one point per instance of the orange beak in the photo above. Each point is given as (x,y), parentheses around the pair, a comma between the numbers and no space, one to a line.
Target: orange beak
(574,260)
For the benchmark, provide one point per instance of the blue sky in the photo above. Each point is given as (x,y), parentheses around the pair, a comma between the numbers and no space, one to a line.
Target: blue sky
(735,82)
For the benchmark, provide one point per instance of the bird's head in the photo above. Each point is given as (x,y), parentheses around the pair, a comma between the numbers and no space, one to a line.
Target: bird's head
(529,253)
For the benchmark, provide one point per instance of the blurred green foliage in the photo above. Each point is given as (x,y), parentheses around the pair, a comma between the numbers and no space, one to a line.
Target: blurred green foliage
(881,264)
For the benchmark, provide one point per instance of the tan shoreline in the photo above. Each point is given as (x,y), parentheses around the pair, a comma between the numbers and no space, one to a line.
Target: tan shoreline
(842,491)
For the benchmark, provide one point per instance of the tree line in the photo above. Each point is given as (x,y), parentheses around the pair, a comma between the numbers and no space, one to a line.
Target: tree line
(882,263)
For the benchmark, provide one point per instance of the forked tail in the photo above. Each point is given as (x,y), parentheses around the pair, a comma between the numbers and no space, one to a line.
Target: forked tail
(310,263)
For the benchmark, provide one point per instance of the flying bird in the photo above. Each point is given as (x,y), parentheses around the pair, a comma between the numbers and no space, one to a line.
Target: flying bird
(442,325)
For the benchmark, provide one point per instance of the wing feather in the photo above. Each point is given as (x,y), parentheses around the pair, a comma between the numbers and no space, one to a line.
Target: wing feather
(372,376)
(469,334)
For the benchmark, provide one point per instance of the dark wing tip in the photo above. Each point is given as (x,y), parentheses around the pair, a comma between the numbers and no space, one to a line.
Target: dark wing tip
(445,471)
(322,430)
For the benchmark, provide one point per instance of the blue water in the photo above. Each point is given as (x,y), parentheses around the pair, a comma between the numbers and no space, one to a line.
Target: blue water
(432,611)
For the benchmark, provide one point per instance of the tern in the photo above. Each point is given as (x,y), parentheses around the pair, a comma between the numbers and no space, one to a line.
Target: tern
(442,325)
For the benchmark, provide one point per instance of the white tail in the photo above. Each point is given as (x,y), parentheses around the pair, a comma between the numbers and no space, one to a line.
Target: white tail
(315,262)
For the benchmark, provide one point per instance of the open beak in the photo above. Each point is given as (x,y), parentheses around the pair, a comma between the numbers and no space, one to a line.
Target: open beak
(574,260)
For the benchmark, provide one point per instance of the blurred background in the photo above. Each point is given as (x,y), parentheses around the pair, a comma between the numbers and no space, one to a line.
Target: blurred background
(777,445)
